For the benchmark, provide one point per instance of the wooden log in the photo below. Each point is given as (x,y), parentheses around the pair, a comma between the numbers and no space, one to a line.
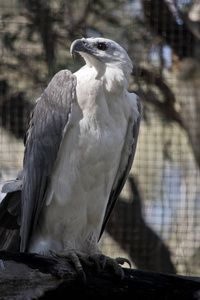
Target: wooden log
(32,276)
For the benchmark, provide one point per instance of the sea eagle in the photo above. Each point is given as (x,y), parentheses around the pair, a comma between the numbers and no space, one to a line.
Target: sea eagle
(79,149)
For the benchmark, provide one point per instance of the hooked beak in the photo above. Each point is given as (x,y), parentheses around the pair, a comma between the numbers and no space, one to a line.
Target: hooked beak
(81,45)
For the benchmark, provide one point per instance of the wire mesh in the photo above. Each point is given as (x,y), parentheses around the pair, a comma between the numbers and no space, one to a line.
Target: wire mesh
(162,222)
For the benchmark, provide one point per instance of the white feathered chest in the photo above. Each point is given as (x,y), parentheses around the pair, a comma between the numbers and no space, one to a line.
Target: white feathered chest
(87,163)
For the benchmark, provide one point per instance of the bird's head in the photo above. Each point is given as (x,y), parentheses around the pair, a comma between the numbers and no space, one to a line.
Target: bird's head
(107,57)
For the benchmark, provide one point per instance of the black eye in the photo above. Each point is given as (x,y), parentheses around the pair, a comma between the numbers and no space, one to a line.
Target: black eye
(102,46)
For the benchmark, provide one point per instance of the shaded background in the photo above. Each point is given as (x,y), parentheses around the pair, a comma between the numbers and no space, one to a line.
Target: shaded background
(157,221)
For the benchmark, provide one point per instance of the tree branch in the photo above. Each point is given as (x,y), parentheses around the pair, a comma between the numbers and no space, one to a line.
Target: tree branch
(178,36)
(167,107)
(31,276)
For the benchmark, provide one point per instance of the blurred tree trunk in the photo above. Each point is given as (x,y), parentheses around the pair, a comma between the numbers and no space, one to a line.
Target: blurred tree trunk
(186,69)
(41,17)
(170,24)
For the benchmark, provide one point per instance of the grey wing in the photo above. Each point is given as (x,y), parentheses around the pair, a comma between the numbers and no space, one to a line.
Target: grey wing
(47,125)
(125,165)
(10,221)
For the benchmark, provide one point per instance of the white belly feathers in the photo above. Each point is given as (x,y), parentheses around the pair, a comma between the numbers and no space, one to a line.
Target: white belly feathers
(84,171)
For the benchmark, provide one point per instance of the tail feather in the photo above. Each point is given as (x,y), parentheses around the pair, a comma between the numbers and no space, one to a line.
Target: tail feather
(10,210)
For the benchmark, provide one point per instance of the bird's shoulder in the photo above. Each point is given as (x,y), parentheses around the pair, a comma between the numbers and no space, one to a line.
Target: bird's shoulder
(62,77)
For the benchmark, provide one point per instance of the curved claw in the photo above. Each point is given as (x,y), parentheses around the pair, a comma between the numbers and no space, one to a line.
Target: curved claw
(122,274)
(121,261)
(82,274)
(52,252)
(95,261)
(103,259)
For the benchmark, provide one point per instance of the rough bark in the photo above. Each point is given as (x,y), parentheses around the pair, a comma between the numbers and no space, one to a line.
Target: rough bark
(31,276)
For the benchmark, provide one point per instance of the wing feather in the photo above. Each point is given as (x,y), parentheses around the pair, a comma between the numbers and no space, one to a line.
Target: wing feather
(48,121)
(124,167)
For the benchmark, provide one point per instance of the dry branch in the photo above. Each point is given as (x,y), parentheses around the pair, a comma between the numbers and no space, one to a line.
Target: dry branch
(30,276)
